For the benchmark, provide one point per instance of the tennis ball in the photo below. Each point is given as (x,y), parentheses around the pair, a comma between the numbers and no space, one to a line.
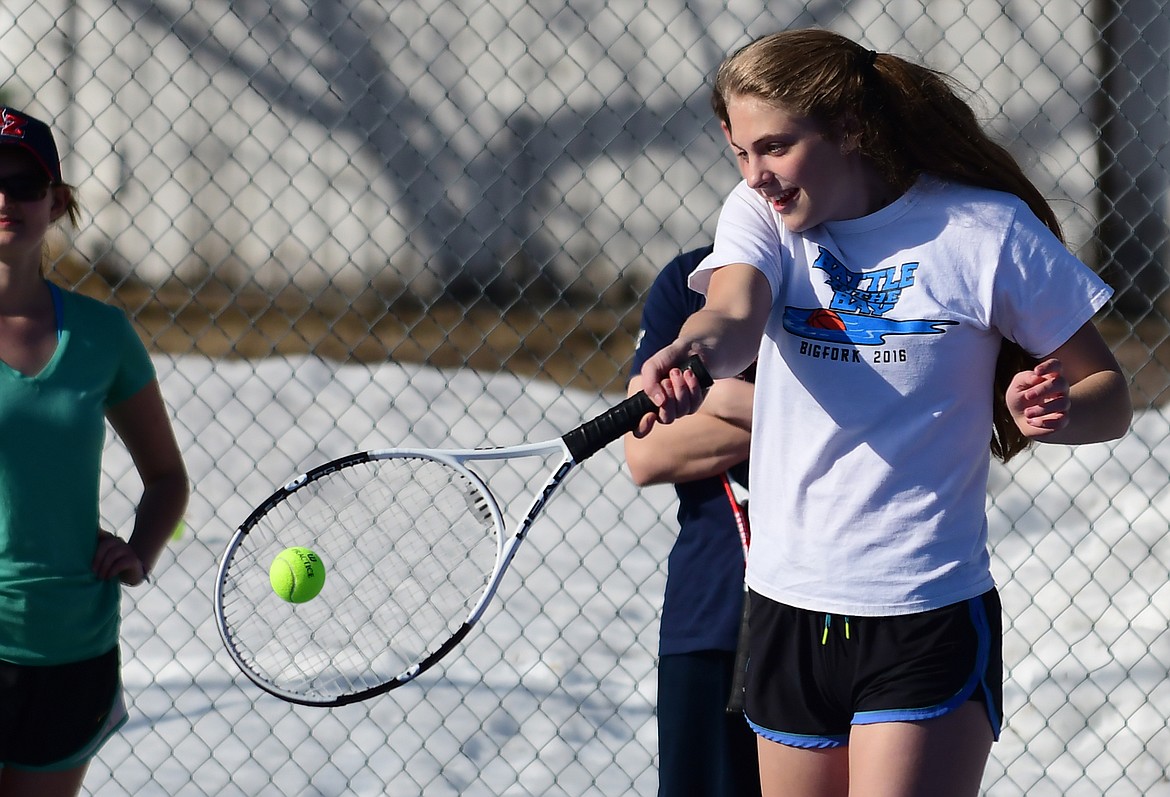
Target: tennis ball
(297,574)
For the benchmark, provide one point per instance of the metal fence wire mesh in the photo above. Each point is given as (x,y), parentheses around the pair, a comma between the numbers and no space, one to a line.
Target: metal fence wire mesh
(344,225)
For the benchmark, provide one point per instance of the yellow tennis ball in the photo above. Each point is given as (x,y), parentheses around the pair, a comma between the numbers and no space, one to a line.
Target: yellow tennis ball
(297,574)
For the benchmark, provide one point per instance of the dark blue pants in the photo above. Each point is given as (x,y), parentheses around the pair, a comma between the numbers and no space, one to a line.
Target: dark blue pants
(702,749)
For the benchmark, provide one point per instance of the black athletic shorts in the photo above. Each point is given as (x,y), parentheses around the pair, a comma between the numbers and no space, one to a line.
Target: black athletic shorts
(55,717)
(812,676)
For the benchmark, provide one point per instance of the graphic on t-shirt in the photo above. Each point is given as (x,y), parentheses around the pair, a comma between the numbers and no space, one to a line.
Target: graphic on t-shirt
(860,302)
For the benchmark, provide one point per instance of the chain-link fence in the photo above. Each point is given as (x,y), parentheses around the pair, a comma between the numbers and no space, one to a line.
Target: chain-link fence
(352,224)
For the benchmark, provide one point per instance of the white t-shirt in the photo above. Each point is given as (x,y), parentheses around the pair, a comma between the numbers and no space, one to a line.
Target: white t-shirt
(872,420)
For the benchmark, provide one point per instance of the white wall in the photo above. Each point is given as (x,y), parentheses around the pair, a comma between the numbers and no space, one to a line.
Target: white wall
(300,141)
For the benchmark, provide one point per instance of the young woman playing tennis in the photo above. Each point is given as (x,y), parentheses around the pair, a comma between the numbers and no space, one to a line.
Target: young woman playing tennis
(67,364)
(890,266)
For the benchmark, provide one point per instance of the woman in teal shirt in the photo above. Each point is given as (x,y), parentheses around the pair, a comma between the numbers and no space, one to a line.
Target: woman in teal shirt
(68,364)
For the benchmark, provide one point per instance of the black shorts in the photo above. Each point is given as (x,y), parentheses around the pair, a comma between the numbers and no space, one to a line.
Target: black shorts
(55,717)
(812,676)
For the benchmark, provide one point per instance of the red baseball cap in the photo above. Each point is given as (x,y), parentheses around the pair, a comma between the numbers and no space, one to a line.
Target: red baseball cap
(18,129)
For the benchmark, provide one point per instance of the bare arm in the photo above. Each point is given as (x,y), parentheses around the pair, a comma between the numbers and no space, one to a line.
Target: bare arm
(704,444)
(1076,395)
(143,425)
(725,333)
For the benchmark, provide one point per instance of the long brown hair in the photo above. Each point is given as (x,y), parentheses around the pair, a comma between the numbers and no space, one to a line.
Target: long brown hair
(71,213)
(907,119)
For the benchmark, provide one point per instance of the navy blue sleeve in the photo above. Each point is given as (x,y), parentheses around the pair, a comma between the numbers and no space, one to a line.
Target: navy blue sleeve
(704,585)
(668,304)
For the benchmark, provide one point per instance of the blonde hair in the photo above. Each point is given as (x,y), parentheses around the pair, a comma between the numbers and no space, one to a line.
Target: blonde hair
(72,212)
(72,206)
(906,119)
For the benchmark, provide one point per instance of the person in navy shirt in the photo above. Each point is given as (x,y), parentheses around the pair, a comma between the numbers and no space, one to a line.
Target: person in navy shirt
(704,749)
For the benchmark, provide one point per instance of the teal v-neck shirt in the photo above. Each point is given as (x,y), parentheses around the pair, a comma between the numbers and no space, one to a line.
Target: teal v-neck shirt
(53,609)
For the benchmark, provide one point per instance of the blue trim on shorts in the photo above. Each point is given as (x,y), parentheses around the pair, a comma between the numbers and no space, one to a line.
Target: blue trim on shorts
(803,741)
(977,679)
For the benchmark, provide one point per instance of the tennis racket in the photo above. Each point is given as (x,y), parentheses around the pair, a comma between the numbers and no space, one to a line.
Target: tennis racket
(414,545)
(739,512)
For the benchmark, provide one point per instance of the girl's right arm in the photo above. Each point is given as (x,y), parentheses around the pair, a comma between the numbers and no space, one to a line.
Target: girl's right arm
(725,334)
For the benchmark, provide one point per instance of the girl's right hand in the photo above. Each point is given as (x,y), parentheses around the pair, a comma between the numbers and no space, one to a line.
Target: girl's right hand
(674,391)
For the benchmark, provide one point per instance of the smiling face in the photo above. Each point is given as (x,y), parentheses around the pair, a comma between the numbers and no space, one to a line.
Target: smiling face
(806,174)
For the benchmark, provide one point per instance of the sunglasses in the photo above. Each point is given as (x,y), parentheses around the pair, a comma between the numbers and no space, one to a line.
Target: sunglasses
(24,187)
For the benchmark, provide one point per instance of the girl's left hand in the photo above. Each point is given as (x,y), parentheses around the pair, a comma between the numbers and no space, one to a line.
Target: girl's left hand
(1038,399)
(114,558)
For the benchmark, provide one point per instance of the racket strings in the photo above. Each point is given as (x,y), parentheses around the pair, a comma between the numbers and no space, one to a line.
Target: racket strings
(408,545)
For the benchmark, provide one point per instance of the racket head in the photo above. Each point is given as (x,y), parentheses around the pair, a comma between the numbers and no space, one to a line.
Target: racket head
(410,540)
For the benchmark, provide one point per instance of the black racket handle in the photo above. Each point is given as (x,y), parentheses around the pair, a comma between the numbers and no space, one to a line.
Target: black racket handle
(592,436)
(735,698)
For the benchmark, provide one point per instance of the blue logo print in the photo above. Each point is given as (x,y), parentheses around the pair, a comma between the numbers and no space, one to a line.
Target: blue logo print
(860,300)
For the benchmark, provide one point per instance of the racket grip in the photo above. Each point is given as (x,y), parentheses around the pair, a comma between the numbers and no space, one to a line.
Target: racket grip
(739,669)
(592,436)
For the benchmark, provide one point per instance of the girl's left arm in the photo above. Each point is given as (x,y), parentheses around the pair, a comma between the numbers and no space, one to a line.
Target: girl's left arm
(1075,395)
(144,426)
